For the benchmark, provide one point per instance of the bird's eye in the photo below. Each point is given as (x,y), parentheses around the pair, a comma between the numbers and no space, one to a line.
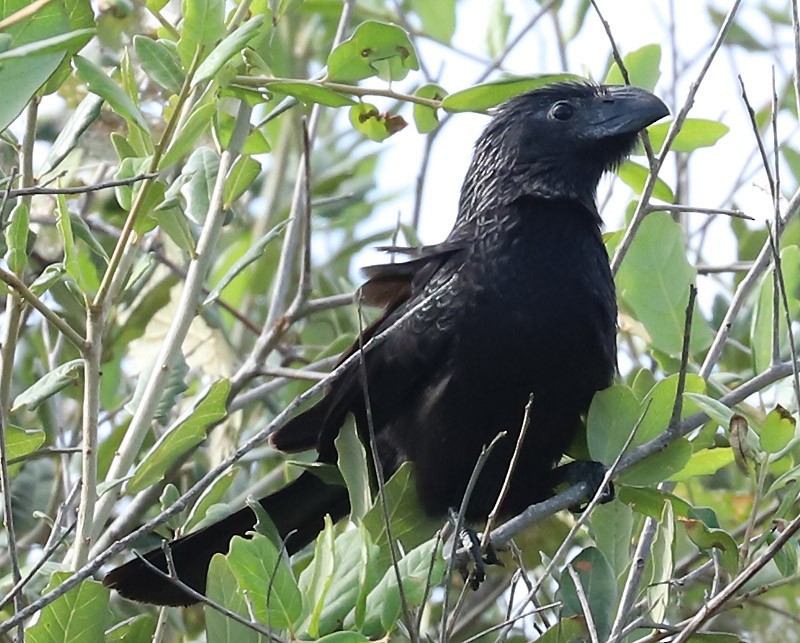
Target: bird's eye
(562,111)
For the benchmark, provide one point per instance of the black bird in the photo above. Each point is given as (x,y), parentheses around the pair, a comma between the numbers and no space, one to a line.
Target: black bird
(518,299)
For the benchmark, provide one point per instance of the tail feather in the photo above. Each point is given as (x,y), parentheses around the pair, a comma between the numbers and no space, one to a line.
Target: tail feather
(298,511)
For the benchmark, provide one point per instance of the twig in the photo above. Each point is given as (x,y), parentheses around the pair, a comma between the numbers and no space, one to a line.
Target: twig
(381,480)
(674,128)
(587,613)
(92,364)
(577,492)
(202,598)
(526,421)
(747,284)
(294,230)
(671,207)
(83,189)
(633,580)
(677,407)
(23,13)
(716,603)
(781,284)
(185,313)
(24,292)
(459,526)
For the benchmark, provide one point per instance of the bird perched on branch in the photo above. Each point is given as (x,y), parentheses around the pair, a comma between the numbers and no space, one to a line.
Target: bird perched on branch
(518,300)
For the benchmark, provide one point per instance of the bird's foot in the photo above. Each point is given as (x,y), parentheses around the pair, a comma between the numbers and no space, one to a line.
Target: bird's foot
(588,471)
(478,556)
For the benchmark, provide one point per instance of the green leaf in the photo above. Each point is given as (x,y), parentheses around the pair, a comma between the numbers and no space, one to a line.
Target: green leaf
(599,586)
(193,129)
(344,637)
(240,177)
(438,18)
(497,28)
(611,528)
(383,603)
(373,124)
(77,263)
(482,97)
(643,66)
(137,629)
(425,118)
(762,319)
(309,92)
(60,44)
(694,133)
(411,526)
(354,574)
(315,580)
(159,59)
(706,538)
(264,578)
(660,402)
(223,589)
(58,379)
(225,50)
(211,496)
(86,113)
(78,616)
(635,176)
(203,26)
(352,463)
(650,501)
(174,222)
(704,463)
(253,253)
(47,279)
(612,416)
(660,565)
(201,167)
(20,79)
(16,234)
(374,49)
(777,431)
(714,409)
(98,83)
(186,433)
(654,281)
(659,466)
(567,630)
(21,442)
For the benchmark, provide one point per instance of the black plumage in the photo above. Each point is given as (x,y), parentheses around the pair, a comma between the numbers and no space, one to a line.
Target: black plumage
(519,299)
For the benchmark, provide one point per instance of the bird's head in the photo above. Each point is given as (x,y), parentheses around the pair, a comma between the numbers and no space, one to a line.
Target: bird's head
(556,141)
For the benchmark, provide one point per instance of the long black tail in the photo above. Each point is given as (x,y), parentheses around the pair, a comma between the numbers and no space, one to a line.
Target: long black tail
(298,511)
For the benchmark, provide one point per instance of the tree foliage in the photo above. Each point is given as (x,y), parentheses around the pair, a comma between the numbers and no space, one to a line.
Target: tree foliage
(186,189)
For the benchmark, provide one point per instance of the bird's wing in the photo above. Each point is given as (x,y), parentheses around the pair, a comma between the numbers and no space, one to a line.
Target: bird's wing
(397,287)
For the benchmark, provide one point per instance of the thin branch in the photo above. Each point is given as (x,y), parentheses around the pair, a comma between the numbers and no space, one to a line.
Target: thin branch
(14,282)
(718,602)
(486,451)
(587,613)
(380,478)
(674,128)
(749,281)
(185,313)
(671,207)
(526,422)
(92,364)
(172,577)
(634,579)
(677,407)
(83,189)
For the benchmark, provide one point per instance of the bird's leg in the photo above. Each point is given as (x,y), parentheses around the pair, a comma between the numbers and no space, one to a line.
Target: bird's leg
(588,471)
(472,543)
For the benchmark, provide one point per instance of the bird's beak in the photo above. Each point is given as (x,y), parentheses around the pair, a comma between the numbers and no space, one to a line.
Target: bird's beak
(622,109)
